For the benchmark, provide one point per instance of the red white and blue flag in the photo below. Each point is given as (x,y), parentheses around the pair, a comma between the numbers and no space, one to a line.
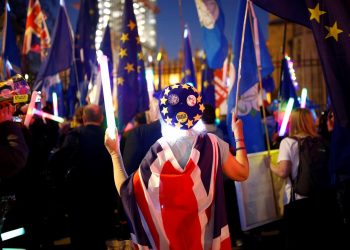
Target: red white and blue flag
(169,207)
(36,36)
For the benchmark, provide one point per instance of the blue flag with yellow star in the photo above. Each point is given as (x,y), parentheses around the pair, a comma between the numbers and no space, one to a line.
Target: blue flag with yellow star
(131,79)
(188,67)
(248,106)
(329,21)
(208,88)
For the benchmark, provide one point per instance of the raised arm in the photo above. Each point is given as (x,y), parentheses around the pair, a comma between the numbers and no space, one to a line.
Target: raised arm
(237,168)
(119,173)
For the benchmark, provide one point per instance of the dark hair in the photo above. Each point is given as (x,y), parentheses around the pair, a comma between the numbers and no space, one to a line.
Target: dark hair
(92,113)
(208,116)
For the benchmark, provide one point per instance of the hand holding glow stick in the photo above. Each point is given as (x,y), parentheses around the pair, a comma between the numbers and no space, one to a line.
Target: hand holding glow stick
(107,95)
(30,112)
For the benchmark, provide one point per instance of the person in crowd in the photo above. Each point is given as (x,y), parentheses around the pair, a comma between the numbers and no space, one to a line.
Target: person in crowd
(89,183)
(13,158)
(175,199)
(208,119)
(307,219)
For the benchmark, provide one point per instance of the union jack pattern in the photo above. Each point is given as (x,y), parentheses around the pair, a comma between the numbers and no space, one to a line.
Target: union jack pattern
(36,25)
(173,208)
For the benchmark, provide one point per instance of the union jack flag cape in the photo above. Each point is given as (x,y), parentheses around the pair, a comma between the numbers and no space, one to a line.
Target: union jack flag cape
(173,208)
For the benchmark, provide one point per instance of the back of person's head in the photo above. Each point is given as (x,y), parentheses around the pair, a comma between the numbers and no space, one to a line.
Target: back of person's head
(208,116)
(302,123)
(140,119)
(92,114)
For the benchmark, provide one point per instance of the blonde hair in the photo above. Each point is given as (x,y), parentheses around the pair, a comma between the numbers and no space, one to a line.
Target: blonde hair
(302,123)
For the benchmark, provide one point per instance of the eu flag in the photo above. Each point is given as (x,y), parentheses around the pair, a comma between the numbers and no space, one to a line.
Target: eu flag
(9,48)
(131,79)
(208,88)
(329,21)
(248,107)
(61,52)
(212,21)
(84,43)
(188,68)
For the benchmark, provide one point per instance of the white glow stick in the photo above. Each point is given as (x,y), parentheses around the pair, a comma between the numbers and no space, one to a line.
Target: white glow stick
(303,98)
(286,117)
(12,234)
(54,102)
(48,116)
(29,114)
(107,95)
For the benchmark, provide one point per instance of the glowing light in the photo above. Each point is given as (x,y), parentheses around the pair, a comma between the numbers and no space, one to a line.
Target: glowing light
(159,56)
(291,71)
(12,234)
(54,102)
(29,114)
(149,78)
(303,98)
(185,33)
(48,116)
(107,95)
(26,77)
(286,117)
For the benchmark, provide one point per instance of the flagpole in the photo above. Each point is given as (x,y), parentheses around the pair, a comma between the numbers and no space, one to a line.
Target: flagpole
(2,58)
(240,56)
(255,36)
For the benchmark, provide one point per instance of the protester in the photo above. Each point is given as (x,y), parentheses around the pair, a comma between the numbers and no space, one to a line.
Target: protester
(307,219)
(208,119)
(175,199)
(89,183)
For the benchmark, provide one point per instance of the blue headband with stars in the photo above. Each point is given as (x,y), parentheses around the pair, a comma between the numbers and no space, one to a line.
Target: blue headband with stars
(181,106)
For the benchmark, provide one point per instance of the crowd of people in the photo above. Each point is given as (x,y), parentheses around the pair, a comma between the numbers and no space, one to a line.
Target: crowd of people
(160,185)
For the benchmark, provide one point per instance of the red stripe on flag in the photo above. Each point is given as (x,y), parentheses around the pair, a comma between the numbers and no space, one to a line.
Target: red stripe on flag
(179,207)
(142,203)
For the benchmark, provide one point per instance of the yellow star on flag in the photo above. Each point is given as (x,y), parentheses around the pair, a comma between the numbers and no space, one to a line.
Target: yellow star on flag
(120,81)
(168,120)
(129,67)
(199,98)
(163,100)
(122,52)
(205,84)
(131,25)
(166,92)
(333,31)
(138,69)
(203,67)
(178,125)
(165,110)
(188,72)
(138,41)
(201,107)
(125,37)
(140,56)
(189,123)
(185,86)
(316,13)
(175,86)
(197,117)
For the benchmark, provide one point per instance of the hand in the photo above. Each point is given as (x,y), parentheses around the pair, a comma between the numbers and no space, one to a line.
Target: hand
(6,113)
(237,126)
(112,145)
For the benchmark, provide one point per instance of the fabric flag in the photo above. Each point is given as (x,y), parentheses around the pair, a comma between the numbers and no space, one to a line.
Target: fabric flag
(36,36)
(131,79)
(329,22)
(188,67)
(212,21)
(12,60)
(53,84)
(208,88)
(287,89)
(60,55)
(248,106)
(85,52)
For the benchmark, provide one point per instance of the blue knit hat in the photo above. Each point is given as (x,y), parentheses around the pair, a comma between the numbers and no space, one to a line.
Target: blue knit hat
(181,106)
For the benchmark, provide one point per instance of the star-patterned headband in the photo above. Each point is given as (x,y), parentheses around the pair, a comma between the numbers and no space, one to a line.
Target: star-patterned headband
(181,106)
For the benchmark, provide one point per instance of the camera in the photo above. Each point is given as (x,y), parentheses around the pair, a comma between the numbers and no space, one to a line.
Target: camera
(14,91)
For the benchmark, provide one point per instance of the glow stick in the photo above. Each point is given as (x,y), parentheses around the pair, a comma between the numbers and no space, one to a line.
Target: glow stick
(54,101)
(12,234)
(29,114)
(106,87)
(286,117)
(48,116)
(303,98)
